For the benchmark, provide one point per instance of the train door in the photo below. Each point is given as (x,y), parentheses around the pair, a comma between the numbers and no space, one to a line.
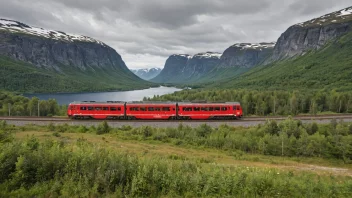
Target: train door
(237,111)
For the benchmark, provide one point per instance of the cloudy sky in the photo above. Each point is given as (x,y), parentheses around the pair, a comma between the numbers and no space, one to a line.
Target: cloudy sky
(146,32)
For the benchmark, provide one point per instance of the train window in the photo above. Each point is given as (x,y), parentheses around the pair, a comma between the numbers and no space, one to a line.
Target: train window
(187,108)
(196,108)
(113,109)
(143,108)
(83,108)
(166,108)
(238,107)
(150,108)
(134,109)
(119,108)
(105,108)
(98,108)
(90,108)
(216,108)
(211,108)
(157,109)
(223,108)
(204,108)
(234,107)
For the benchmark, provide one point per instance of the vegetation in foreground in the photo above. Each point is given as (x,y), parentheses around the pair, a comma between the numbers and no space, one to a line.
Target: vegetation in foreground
(33,167)
(269,102)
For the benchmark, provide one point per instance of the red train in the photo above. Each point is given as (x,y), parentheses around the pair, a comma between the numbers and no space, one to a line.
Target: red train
(154,110)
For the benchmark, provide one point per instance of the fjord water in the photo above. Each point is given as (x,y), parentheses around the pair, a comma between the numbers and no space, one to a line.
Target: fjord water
(136,95)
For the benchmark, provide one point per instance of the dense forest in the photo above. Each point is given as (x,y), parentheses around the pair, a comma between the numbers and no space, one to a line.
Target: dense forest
(17,105)
(52,168)
(265,103)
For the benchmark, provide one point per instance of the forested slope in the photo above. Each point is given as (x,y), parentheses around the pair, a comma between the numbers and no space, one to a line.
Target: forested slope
(328,68)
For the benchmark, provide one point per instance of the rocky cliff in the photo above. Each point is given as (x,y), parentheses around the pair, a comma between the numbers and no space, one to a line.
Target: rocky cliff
(148,73)
(185,68)
(173,68)
(83,60)
(312,34)
(245,55)
(200,64)
(50,49)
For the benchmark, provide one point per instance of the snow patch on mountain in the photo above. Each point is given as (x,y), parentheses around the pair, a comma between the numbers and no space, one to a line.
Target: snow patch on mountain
(201,55)
(334,17)
(17,27)
(208,55)
(259,46)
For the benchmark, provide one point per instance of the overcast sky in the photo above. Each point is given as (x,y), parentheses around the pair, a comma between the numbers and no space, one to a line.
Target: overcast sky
(146,32)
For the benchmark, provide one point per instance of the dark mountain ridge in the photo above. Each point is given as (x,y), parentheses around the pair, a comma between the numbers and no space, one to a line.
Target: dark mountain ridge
(65,56)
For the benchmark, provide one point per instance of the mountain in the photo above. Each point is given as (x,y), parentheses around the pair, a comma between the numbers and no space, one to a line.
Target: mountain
(146,74)
(184,68)
(238,59)
(313,34)
(39,60)
(245,55)
(315,54)
(173,68)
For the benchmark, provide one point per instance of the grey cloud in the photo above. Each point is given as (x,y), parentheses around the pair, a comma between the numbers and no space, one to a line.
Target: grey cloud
(154,29)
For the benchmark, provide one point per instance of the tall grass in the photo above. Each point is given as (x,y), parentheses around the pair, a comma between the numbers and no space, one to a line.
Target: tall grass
(52,168)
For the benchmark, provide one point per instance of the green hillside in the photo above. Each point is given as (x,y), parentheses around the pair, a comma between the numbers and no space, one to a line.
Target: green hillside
(328,68)
(23,77)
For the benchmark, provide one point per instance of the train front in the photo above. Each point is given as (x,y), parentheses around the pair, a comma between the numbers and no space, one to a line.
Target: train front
(69,110)
(237,110)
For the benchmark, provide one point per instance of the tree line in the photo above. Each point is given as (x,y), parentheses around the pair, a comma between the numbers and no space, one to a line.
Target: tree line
(265,103)
(17,105)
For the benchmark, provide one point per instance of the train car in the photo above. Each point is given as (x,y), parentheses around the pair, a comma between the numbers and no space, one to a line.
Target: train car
(151,110)
(154,110)
(96,110)
(209,111)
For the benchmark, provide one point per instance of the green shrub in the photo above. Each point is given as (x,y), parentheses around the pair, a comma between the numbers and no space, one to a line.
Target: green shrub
(51,127)
(103,128)
(56,134)
(3,124)
(5,136)
(82,129)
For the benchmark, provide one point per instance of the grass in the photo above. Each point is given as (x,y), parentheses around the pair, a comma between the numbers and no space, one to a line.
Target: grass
(73,161)
(150,149)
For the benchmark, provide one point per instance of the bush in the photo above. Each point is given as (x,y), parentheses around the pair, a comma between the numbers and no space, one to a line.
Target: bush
(56,134)
(3,124)
(62,128)
(82,129)
(103,128)
(5,136)
(51,127)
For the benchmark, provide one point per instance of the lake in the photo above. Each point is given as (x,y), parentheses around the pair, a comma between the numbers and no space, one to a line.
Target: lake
(136,95)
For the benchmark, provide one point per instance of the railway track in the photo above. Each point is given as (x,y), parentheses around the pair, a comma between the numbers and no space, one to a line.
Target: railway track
(245,122)
(245,119)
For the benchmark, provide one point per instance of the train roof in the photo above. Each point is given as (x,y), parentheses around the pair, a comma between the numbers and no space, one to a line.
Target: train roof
(209,103)
(97,102)
(156,102)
